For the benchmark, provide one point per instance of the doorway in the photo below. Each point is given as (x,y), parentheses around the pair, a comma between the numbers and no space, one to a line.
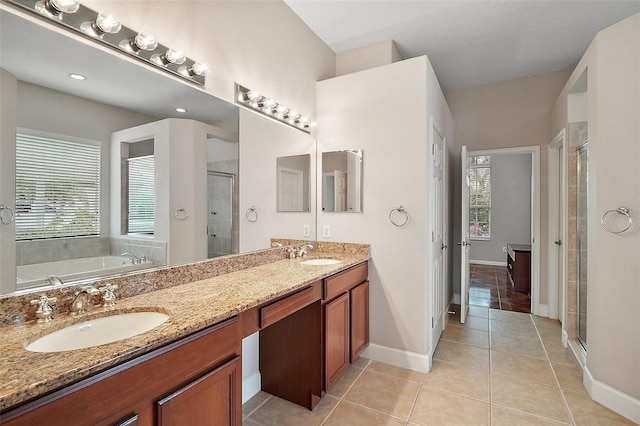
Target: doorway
(494,270)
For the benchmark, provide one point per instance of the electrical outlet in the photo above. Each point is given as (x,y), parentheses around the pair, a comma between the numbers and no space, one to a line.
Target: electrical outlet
(306,230)
(504,249)
(326,231)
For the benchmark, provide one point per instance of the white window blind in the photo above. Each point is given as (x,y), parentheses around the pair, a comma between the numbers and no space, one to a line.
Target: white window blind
(480,198)
(141,194)
(57,188)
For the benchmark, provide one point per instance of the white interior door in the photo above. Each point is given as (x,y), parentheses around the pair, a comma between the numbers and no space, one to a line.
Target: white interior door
(340,190)
(464,238)
(290,190)
(438,242)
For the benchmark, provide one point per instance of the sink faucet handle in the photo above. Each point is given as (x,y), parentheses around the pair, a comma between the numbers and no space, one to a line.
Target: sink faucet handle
(292,252)
(108,295)
(44,312)
(305,249)
(89,289)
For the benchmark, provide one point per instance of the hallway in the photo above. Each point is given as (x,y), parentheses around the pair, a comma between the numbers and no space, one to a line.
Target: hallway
(499,368)
(490,288)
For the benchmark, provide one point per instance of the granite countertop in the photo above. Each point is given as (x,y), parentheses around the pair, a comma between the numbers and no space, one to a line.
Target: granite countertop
(192,306)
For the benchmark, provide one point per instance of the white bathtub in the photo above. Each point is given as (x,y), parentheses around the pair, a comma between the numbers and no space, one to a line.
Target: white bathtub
(75,269)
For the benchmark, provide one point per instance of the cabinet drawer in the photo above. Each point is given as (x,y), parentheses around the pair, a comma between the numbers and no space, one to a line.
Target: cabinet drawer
(344,281)
(282,308)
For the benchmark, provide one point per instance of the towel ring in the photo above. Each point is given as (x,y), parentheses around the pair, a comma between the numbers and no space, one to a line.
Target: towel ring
(397,222)
(2,216)
(622,211)
(181,214)
(251,214)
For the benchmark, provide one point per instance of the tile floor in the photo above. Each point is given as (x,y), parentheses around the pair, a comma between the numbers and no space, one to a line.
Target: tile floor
(489,287)
(499,368)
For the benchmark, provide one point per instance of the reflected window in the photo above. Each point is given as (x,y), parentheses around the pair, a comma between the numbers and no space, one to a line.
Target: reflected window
(57,187)
(480,197)
(141,198)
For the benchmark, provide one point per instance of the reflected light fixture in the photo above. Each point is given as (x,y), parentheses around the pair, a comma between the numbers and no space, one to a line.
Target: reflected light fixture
(179,109)
(105,28)
(105,23)
(78,77)
(269,107)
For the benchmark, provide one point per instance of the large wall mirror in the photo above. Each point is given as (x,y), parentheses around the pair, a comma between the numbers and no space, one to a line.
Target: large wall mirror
(70,124)
(294,185)
(342,181)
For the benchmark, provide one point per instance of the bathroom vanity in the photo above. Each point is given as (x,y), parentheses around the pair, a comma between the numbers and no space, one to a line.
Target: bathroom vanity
(313,322)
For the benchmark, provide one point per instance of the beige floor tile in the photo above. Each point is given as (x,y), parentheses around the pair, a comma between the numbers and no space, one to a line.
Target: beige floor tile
(477,311)
(278,412)
(557,353)
(466,335)
(256,401)
(436,407)
(350,414)
(384,393)
(550,333)
(460,380)
(465,355)
(547,323)
(342,386)
(361,362)
(522,367)
(475,323)
(569,376)
(249,422)
(513,328)
(391,370)
(585,411)
(533,398)
(516,317)
(503,417)
(518,345)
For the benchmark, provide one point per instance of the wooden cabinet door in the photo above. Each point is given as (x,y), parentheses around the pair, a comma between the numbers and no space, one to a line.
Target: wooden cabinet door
(359,319)
(214,399)
(336,351)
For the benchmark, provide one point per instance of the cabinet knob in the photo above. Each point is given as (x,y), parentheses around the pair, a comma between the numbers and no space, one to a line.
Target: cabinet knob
(558,242)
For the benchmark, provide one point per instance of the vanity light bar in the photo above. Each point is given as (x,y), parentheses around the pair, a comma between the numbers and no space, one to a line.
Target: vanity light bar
(269,107)
(104,28)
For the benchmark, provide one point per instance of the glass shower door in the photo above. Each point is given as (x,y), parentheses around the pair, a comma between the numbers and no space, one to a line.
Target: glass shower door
(583,182)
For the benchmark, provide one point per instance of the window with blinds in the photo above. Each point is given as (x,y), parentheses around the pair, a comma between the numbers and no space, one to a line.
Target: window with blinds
(141,202)
(57,188)
(480,197)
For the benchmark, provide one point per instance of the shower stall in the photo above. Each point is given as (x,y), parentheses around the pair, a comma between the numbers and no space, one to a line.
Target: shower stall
(582,204)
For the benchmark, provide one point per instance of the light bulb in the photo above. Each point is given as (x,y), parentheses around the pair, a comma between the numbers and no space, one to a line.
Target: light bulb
(104,23)
(145,41)
(55,8)
(269,103)
(175,56)
(254,95)
(199,68)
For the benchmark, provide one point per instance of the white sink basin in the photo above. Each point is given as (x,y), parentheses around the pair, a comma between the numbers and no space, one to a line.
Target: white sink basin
(98,332)
(320,262)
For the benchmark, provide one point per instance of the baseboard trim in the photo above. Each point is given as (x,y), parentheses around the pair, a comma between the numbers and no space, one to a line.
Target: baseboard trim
(542,310)
(488,263)
(612,398)
(403,359)
(251,386)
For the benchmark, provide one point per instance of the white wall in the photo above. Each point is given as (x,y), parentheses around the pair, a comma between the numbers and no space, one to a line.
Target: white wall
(385,112)
(612,374)
(510,207)
(375,55)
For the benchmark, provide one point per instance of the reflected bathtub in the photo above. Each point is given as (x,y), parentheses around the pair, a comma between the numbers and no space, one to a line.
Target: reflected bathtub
(75,269)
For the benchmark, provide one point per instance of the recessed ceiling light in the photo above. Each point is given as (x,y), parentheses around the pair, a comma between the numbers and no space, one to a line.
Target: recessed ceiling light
(77,76)
(181,109)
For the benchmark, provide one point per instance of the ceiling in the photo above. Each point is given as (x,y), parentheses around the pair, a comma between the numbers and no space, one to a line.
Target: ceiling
(469,42)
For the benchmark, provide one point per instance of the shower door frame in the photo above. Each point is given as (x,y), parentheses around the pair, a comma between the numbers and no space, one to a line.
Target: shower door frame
(584,148)
(231,176)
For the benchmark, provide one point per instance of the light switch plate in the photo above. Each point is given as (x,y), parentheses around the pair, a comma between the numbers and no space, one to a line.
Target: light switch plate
(306,230)
(326,231)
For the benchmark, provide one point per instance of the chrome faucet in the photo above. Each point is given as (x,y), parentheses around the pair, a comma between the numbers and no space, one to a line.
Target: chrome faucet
(276,244)
(108,295)
(54,280)
(81,299)
(44,312)
(304,249)
(134,259)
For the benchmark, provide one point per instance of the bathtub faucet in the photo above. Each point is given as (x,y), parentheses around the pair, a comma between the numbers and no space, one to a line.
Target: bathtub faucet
(54,280)
(134,259)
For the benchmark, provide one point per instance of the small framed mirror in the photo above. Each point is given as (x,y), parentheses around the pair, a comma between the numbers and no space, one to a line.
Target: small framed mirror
(342,181)
(294,183)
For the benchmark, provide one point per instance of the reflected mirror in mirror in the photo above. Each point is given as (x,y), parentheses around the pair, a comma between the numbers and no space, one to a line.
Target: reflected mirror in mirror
(294,187)
(342,181)
(74,116)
